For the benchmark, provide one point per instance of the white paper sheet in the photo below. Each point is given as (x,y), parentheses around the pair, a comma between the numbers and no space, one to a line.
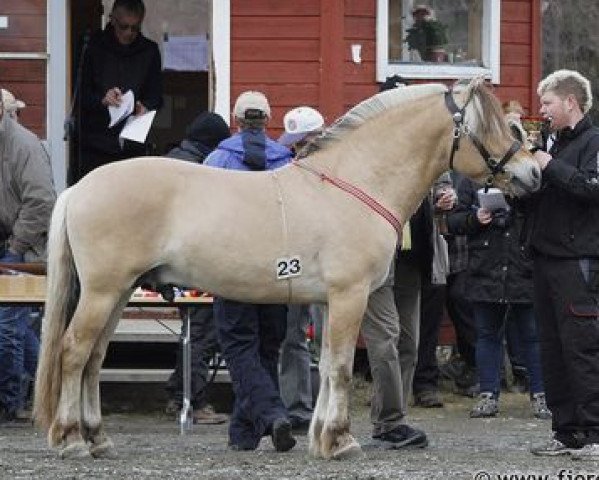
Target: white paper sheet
(123,110)
(492,200)
(186,53)
(137,127)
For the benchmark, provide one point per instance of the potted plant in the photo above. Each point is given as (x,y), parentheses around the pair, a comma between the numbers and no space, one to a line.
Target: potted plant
(429,37)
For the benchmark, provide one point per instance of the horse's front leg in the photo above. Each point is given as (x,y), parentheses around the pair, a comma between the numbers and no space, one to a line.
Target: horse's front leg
(346,309)
(322,402)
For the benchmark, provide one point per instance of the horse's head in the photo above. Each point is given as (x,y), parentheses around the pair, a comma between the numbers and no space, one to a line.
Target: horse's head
(488,152)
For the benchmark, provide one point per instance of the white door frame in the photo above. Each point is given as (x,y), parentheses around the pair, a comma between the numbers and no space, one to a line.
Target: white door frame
(56,91)
(221,51)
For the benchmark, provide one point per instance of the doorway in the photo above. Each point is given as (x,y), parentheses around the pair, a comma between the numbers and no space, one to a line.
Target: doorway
(186,86)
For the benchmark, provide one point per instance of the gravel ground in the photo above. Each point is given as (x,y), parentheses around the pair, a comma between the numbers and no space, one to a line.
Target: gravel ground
(150,447)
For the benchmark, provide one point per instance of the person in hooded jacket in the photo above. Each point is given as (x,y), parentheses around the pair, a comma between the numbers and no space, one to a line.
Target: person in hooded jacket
(250,335)
(117,59)
(202,136)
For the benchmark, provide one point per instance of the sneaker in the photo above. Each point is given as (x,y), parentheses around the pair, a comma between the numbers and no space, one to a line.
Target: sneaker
(281,435)
(538,404)
(552,448)
(207,416)
(402,436)
(428,399)
(487,406)
(588,452)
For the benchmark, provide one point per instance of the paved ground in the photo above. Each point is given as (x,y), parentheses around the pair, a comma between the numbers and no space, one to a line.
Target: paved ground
(150,447)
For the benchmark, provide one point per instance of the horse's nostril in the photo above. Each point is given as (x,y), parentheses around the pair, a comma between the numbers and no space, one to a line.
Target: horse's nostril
(536,173)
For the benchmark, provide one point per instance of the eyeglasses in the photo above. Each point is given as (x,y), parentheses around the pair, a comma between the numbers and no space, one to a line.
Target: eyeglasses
(123,27)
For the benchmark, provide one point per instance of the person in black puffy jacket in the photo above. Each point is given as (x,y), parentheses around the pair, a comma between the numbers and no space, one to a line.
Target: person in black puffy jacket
(499,287)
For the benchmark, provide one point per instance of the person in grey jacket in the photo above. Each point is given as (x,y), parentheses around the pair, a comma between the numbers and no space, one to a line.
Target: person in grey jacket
(27,197)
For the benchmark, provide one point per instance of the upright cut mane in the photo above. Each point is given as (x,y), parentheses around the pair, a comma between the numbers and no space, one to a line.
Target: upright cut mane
(367,109)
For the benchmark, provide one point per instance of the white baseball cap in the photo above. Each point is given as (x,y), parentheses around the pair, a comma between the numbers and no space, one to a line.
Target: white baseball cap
(299,123)
(11,104)
(251,100)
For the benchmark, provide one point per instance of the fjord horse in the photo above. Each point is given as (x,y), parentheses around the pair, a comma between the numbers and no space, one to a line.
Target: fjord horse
(323,229)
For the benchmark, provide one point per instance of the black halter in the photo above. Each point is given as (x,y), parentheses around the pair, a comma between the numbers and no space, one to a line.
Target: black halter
(459,127)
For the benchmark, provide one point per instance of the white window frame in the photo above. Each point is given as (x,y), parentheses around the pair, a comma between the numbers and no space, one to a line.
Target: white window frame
(491,25)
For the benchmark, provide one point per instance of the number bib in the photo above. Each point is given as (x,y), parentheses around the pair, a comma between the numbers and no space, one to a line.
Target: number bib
(288,267)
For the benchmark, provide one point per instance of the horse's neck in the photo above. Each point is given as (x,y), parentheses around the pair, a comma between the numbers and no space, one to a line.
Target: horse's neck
(398,169)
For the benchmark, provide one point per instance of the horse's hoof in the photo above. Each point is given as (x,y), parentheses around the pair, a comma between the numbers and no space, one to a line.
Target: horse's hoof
(74,450)
(348,449)
(105,449)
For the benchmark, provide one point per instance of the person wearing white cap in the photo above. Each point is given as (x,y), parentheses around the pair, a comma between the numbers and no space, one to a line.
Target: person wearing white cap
(301,123)
(27,197)
(250,335)
(11,104)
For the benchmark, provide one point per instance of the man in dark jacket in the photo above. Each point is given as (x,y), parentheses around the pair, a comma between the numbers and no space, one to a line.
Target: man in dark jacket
(117,59)
(565,242)
(202,136)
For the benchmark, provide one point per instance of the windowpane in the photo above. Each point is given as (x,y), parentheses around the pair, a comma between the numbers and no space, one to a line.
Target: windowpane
(441,31)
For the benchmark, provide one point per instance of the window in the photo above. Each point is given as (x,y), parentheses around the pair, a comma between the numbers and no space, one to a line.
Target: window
(440,39)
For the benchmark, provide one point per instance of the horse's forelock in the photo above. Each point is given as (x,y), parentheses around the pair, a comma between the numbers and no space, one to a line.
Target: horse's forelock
(486,117)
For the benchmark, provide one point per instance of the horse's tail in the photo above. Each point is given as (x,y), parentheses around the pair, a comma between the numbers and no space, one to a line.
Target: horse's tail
(61,299)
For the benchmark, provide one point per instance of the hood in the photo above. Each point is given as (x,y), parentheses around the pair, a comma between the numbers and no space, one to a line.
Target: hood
(209,129)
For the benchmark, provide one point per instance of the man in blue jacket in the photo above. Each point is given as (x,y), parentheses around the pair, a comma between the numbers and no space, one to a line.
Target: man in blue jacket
(250,335)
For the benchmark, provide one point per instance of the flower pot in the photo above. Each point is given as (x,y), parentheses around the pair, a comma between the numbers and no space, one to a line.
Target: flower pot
(436,54)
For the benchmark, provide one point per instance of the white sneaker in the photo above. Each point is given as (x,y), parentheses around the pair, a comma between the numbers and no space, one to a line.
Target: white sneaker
(588,452)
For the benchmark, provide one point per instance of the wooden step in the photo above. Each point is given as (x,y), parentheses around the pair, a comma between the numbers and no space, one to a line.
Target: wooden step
(150,375)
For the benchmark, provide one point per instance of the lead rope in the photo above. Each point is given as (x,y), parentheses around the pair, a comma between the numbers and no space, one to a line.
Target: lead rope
(283,226)
(359,194)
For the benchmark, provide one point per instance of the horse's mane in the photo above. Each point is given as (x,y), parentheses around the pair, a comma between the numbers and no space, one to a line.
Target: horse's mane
(484,117)
(367,109)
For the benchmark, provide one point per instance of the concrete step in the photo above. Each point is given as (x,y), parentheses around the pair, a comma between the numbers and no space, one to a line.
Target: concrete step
(151,375)
(147,330)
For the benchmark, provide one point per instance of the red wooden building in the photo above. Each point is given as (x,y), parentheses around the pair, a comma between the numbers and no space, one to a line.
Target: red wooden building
(296,52)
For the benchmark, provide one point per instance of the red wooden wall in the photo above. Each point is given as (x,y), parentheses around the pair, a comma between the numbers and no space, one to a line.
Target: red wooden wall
(26,79)
(300,53)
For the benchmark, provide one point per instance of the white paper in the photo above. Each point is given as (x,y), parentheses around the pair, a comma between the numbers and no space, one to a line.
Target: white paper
(123,110)
(492,200)
(186,53)
(137,127)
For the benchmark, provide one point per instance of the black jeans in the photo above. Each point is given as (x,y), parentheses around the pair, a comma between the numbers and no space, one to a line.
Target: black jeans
(250,336)
(203,347)
(432,300)
(566,306)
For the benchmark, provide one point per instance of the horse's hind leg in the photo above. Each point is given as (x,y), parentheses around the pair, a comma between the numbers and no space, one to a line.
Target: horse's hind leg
(87,324)
(345,316)
(322,402)
(100,444)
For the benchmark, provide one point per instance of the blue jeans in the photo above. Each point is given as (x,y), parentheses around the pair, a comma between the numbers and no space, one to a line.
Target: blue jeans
(19,348)
(490,326)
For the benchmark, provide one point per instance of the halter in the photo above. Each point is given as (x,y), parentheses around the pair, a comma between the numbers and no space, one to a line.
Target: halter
(460,128)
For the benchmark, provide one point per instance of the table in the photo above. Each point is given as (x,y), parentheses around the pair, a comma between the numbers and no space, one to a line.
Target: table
(37,299)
